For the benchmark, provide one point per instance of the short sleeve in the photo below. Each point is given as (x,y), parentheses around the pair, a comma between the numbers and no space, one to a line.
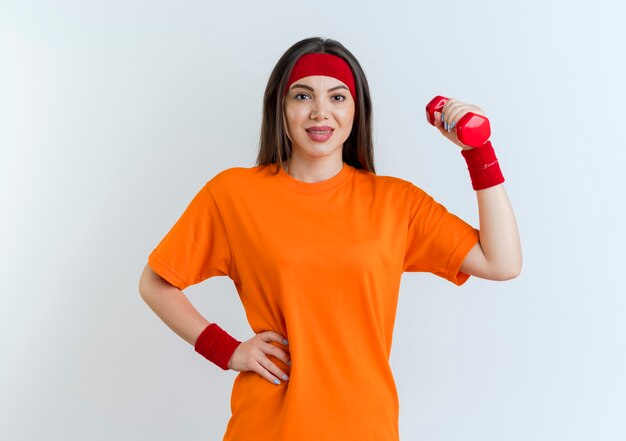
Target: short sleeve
(196,247)
(437,241)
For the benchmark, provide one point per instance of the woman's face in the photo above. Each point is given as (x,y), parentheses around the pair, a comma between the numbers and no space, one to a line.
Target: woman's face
(320,104)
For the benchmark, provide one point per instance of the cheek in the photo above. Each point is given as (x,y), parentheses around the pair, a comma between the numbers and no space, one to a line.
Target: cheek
(347,116)
(291,116)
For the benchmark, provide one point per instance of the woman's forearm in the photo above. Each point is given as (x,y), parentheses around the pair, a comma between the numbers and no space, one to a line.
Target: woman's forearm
(172,306)
(499,235)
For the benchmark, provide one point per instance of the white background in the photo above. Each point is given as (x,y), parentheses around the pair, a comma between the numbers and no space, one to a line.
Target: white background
(114,114)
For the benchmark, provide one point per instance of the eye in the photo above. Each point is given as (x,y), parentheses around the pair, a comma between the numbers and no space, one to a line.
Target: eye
(343,98)
(300,94)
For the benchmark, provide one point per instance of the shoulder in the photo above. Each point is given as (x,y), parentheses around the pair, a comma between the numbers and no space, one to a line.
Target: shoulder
(388,183)
(234,175)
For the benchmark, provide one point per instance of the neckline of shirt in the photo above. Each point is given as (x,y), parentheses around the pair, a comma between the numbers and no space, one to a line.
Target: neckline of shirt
(315,187)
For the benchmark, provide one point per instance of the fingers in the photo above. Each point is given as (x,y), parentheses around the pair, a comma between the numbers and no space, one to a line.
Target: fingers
(278,353)
(271,372)
(439,122)
(268,336)
(268,369)
(453,114)
(446,131)
(453,111)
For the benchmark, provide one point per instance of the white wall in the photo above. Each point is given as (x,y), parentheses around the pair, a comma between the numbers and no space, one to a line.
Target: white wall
(113,115)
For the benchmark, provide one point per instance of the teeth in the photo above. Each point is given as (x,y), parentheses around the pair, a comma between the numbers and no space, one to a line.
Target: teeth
(319,133)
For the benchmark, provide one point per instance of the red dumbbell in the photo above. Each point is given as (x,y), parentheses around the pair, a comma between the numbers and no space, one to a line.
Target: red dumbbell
(472,130)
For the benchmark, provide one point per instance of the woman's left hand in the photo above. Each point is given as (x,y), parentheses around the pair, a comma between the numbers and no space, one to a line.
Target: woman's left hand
(453,111)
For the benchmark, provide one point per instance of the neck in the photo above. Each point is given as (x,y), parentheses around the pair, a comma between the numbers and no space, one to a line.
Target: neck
(313,171)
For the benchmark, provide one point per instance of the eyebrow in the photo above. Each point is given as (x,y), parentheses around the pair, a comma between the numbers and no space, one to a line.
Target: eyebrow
(304,86)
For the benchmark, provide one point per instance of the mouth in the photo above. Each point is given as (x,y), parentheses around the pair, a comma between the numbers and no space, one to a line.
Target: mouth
(319,135)
(319,131)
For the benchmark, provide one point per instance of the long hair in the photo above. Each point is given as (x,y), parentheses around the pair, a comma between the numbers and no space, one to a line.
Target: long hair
(275,146)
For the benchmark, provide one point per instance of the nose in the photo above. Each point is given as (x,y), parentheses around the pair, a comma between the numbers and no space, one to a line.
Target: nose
(319,109)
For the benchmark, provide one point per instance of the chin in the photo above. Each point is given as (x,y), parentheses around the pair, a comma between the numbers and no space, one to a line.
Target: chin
(321,150)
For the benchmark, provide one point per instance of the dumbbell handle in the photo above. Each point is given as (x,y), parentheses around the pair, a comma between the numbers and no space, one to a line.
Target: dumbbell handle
(472,130)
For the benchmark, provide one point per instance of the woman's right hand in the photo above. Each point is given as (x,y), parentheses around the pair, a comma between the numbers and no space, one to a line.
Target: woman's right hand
(250,355)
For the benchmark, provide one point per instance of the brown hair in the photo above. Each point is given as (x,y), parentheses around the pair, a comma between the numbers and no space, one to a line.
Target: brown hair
(275,146)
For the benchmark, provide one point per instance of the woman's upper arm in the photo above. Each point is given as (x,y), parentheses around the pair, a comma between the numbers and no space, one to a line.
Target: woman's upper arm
(149,277)
(475,263)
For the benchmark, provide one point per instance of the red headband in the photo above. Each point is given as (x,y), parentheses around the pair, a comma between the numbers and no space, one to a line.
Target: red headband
(322,64)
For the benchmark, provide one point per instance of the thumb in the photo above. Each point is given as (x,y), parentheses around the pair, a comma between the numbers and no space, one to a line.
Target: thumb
(438,122)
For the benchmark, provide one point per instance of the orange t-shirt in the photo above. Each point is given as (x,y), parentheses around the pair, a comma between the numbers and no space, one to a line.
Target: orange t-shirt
(319,263)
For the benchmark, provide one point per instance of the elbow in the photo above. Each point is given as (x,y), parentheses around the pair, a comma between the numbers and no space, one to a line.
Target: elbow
(507,276)
(141,285)
(508,273)
(146,283)
(142,290)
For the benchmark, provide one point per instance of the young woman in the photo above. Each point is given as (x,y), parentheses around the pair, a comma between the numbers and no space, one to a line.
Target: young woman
(316,244)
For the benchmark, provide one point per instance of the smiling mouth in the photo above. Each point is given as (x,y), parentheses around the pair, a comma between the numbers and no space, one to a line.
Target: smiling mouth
(323,132)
